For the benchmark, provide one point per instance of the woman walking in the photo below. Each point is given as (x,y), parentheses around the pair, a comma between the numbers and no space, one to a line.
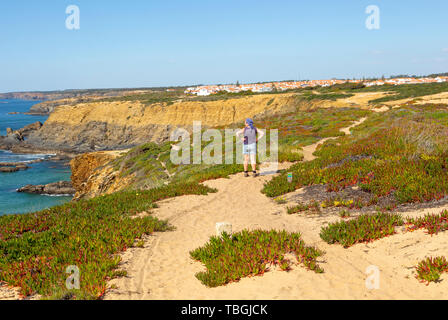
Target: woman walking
(250,140)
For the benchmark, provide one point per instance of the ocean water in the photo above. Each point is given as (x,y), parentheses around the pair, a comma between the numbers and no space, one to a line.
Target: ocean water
(39,173)
(17,121)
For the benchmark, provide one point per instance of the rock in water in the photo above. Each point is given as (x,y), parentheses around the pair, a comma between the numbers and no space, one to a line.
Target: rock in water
(57,188)
(61,187)
(12,167)
(9,169)
(17,137)
(32,189)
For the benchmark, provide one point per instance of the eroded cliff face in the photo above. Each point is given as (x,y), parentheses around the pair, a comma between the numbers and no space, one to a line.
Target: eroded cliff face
(114,125)
(94,175)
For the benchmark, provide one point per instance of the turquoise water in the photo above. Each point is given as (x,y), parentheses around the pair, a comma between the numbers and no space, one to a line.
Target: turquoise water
(16,121)
(38,173)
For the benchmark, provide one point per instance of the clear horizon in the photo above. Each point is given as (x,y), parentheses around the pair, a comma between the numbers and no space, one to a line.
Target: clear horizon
(156,44)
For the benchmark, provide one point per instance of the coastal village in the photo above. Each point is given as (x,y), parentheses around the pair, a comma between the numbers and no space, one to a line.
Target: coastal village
(290,85)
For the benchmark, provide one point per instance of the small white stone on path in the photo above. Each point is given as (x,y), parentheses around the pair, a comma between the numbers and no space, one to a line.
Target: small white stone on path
(223,227)
(268,168)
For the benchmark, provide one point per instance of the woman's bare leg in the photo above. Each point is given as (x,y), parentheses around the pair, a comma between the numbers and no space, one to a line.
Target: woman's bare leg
(246,162)
(253,162)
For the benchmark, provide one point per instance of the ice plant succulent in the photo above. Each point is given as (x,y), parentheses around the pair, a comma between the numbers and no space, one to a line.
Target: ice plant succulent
(433,223)
(430,269)
(364,228)
(401,155)
(249,253)
(37,248)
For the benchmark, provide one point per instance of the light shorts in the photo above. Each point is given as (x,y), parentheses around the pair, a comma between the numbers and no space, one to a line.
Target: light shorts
(250,149)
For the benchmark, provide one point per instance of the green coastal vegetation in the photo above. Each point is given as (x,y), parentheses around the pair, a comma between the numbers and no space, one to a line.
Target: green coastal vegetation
(364,228)
(394,92)
(150,97)
(313,207)
(368,227)
(37,248)
(406,91)
(249,253)
(401,155)
(430,269)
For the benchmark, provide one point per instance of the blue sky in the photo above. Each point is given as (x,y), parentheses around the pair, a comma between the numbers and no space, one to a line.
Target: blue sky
(159,43)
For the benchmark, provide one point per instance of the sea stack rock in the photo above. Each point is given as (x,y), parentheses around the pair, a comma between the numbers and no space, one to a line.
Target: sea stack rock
(13,136)
(8,169)
(12,167)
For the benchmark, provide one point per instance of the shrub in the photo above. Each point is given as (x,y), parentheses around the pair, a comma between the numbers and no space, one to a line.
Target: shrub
(314,206)
(433,223)
(248,253)
(410,91)
(430,269)
(344,214)
(364,228)
(280,200)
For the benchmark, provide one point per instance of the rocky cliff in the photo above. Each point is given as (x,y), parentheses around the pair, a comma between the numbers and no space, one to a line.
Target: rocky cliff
(47,107)
(17,137)
(93,174)
(116,125)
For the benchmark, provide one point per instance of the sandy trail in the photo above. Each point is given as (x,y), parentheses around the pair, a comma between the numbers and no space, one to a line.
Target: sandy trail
(439,98)
(358,100)
(8,293)
(309,150)
(163,269)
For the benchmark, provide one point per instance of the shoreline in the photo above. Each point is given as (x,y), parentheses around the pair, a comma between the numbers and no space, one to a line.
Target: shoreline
(29,149)
(53,156)
(30,113)
(44,175)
